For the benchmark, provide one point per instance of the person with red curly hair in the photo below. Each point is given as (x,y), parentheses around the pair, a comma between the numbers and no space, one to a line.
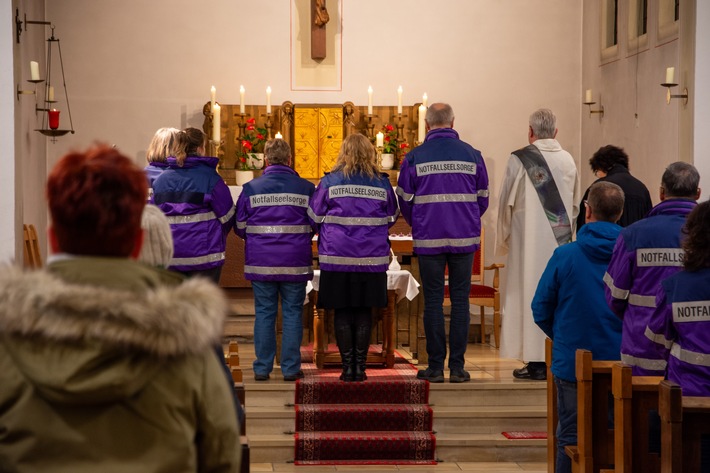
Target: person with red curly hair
(99,347)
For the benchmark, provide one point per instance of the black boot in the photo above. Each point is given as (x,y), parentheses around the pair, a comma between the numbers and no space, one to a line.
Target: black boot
(363,329)
(344,337)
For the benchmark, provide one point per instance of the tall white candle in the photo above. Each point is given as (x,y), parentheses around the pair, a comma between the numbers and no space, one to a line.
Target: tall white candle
(50,94)
(34,70)
(369,100)
(268,99)
(216,123)
(424,100)
(278,136)
(588,96)
(670,72)
(399,100)
(422,127)
(241,99)
(380,139)
(213,95)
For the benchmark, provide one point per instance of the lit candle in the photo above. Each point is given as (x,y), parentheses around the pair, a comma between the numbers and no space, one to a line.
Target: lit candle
(670,72)
(241,99)
(588,96)
(399,100)
(369,100)
(380,139)
(424,100)
(278,136)
(213,94)
(216,123)
(268,99)
(422,127)
(34,70)
(50,94)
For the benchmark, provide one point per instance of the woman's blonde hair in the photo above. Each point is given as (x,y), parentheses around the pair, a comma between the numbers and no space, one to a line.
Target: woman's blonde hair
(167,142)
(356,156)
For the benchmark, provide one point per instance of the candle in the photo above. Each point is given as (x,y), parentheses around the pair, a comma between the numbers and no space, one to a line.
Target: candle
(424,100)
(213,94)
(399,100)
(422,127)
(216,123)
(34,70)
(670,72)
(369,100)
(279,136)
(588,96)
(380,139)
(53,118)
(50,94)
(241,99)
(268,99)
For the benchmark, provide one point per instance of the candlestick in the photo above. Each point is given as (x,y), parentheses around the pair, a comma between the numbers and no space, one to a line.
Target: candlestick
(399,100)
(241,99)
(50,94)
(380,139)
(268,99)
(670,72)
(216,123)
(278,136)
(588,96)
(422,126)
(213,95)
(424,100)
(369,100)
(34,70)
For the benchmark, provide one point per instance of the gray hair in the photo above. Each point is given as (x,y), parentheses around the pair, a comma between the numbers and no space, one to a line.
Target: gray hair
(440,115)
(606,200)
(277,151)
(543,123)
(681,180)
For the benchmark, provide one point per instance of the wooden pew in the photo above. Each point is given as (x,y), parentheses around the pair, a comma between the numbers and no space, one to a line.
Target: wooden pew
(232,360)
(684,421)
(595,439)
(635,397)
(551,410)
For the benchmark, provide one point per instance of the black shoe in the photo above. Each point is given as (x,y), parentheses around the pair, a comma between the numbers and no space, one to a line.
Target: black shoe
(431,375)
(526,373)
(294,377)
(261,377)
(459,376)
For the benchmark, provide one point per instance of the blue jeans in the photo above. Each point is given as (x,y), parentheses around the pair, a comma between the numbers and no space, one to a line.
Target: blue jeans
(432,269)
(266,300)
(566,422)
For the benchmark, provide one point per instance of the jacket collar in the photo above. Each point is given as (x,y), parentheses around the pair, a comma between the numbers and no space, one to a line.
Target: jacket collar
(438,133)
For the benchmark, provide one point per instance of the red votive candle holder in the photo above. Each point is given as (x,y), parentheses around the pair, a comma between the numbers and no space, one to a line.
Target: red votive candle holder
(53,119)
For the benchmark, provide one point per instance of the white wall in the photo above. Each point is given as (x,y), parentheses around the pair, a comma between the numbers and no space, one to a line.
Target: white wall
(701,93)
(8,223)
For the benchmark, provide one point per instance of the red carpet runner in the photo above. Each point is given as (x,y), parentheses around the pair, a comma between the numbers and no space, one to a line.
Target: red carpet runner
(384,420)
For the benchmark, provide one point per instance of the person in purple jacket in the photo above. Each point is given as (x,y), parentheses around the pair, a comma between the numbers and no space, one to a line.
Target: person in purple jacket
(443,192)
(681,321)
(199,207)
(273,221)
(165,143)
(353,207)
(647,252)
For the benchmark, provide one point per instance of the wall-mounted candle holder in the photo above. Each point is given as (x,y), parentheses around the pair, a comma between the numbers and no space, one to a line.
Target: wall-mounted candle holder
(669,95)
(600,110)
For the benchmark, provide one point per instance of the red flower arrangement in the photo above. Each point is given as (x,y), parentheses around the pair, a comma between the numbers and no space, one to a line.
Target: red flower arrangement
(251,143)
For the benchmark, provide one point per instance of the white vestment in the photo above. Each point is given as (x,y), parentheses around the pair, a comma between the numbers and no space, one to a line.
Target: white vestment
(525,235)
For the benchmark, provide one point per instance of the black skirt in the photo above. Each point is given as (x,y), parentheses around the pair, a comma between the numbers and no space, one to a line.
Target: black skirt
(339,290)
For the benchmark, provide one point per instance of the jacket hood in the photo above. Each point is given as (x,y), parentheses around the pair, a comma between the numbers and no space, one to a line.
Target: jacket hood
(597,239)
(80,339)
(193,161)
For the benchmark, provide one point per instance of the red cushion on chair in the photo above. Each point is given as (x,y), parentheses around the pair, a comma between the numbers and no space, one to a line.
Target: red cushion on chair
(478,290)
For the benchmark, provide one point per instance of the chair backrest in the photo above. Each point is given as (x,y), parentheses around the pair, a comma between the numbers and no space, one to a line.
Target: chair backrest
(33,257)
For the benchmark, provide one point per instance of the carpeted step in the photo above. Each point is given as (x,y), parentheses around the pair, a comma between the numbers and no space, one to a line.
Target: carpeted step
(365,448)
(365,417)
(376,390)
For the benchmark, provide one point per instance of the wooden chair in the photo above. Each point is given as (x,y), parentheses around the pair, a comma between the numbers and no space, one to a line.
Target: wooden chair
(635,400)
(685,424)
(33,257)
(482,295)
(595,439)
(551,410)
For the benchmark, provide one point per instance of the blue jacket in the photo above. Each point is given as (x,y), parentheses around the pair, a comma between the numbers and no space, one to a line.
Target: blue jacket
(200,210)
(272,218)
(443,192)
(353,216)
(569,303)
(681,323)
(646,252)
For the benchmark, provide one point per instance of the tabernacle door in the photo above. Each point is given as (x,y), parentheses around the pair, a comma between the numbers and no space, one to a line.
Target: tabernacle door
(318,134)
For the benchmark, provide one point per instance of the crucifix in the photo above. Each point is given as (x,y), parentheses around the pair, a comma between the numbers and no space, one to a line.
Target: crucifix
(319,18)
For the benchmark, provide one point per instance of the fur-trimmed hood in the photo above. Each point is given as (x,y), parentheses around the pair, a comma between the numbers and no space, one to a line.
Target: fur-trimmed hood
(93,329)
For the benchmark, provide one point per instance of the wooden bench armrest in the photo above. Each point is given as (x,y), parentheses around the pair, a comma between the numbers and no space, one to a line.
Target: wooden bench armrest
(572,452)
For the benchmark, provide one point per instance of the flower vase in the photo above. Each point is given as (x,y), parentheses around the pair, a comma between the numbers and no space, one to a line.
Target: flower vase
(256,160)
(243,177)
(387,161)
